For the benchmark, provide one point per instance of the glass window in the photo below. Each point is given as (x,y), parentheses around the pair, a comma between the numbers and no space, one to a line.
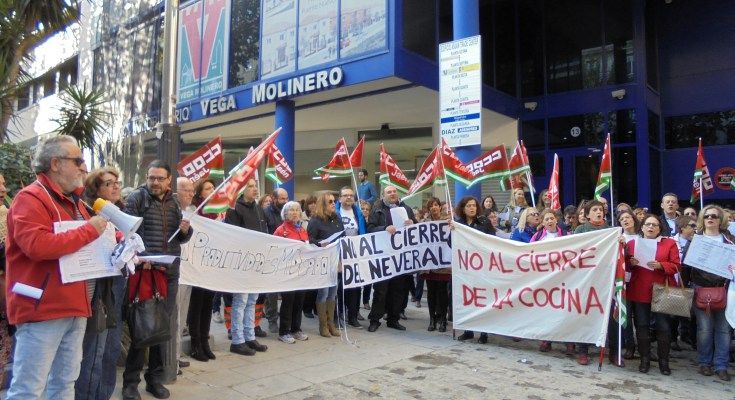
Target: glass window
(419,27)
(625,175)
(537,161)
(244,42)
(531,47)
(654,129)
(621,125)
(585,176)
(651,19)
(488,47)
(716,128)
(533,134)
(619,41)
(98,68)
(573,43)
(655,179)
(23,98)
(577,131)
(505,47)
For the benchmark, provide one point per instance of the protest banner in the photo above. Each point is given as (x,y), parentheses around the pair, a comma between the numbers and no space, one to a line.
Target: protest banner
(380,256)
(557,290)
(227,258)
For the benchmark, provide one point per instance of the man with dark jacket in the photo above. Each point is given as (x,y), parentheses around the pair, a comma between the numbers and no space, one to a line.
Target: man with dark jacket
(354,224)
(670,207)
(387,295)
(162,216)
(246,214)
(273,220)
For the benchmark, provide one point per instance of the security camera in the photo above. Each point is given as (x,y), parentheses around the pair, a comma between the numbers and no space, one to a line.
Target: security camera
(531,105)
(618,94)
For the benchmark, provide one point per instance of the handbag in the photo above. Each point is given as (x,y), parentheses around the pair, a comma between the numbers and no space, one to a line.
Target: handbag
(672,300)
(711,298)
(97,322)
(148,320)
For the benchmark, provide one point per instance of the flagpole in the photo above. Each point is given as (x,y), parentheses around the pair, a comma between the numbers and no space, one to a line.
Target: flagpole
(530,188)
(612,203)
(352,174)
(446,182)
(701,195)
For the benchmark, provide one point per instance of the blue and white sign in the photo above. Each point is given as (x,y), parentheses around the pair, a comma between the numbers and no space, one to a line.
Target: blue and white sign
(317,32)
(278,51)
(460,91)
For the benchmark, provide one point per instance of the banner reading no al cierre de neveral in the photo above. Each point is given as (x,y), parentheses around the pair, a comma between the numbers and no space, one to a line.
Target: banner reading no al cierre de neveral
(227,258)
(378,256)
(558,290)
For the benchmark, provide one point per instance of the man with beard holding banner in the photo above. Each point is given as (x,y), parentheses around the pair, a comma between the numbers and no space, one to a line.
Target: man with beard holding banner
(387,294)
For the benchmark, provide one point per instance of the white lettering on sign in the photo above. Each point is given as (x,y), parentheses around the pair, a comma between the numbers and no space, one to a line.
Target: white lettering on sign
(297,85)
(218,105)
(183,114)
(478,166)
(197,167)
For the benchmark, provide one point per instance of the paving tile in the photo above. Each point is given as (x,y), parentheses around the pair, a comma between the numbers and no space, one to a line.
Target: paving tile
(271,386)
(323,372)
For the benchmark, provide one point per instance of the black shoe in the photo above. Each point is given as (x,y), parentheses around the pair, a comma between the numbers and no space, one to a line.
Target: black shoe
(199,355)
(645,364)
(353,323)
(242,349)
(308,314)
(253,344)
(180,372)
(482,339)
(395,325)
(466,336)
(130,393)
(259,332)
(208,350)
(432,325)
(663,366)
(442,326)
(157,390)
(374,325)
(403,315)
(675,346)
(183,364)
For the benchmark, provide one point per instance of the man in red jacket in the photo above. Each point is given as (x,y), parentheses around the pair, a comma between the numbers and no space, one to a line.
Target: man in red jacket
(48,348)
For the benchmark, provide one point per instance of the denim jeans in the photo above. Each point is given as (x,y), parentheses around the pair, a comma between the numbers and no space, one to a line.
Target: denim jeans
(327,293)
(713,338)
(47,357)
(243,317)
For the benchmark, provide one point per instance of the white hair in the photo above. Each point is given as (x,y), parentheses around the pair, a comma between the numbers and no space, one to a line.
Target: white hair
(51,148)
(289,205)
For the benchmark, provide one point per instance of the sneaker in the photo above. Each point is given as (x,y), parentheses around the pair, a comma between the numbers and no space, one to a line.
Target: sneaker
(300,336)
(217,317)
(259,332)
(287,339)
(583,359)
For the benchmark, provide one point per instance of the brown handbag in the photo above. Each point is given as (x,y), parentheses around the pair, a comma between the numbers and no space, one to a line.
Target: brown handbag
(711,298)
(672,300)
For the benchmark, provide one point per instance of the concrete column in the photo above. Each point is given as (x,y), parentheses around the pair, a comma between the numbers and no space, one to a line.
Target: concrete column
(286,118)
(466,23)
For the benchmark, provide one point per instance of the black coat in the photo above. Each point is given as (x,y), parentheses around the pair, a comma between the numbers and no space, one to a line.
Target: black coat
(247,215)
(273,218)
(319,229)
(380,217)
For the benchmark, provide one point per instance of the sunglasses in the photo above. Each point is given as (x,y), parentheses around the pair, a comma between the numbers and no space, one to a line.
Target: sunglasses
(693,226)
(330,201)
(711,216)
(78,161)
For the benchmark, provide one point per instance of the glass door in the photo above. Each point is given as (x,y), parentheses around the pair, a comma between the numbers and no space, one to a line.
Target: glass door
(578,174)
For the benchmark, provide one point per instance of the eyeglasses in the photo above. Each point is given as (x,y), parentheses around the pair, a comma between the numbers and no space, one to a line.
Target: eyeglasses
(711,216)
(78,161)
(157,178)
(693,226)
(116,184)
(651,224)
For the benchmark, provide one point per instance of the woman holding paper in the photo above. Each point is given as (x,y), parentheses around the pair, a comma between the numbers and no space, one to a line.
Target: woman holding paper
(437,281)
(468,213)
(324,223)
(652,259)
(713,330)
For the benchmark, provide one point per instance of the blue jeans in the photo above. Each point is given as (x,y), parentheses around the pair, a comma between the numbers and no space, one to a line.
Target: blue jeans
(243,317)
(713,338)
(327,293)
(47,357)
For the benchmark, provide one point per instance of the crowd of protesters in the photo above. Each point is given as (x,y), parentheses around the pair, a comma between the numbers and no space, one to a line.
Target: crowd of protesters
(59,352)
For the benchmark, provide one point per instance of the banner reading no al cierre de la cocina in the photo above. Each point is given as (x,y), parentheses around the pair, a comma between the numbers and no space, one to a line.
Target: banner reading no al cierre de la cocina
(557,290)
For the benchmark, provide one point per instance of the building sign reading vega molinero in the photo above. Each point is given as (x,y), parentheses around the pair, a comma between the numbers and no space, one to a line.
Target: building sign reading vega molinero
(298,85)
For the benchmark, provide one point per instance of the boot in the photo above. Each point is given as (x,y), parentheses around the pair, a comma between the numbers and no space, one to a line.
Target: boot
(664,348)
(196,349)
(206,350)
(432,325)
(644,349)
(228,318)
(442,325)
(321,312)
(331,306)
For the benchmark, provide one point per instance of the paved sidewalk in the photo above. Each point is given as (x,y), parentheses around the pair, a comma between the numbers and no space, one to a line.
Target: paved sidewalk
(417,364)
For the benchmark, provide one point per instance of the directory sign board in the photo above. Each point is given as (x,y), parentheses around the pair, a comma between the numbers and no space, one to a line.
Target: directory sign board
(460,91)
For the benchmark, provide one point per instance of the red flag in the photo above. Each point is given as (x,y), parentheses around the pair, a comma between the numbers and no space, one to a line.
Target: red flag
(339,165)
(453,166)
(430,174)
(701,171)
(492,164)
(239,176)
(357,153)
(208,160)
(277,169)
(553,191)
(390,173)
(518,166)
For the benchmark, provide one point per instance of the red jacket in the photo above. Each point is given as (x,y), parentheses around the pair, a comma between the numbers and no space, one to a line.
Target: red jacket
(33,251)
(640,288)
(291,231)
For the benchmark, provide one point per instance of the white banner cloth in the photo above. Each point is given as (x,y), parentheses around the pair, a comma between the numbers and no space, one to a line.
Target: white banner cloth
(558,289)
(379,256)
(227,258)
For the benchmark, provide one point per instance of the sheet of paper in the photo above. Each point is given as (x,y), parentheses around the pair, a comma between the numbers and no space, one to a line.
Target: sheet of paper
(332,238)
(399,216)
(158,259)
(645,251)
(91,261)
(711,255)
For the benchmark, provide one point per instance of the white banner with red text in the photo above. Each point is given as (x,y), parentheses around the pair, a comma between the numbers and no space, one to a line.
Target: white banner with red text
(557,290)
(379,256)
(227,258)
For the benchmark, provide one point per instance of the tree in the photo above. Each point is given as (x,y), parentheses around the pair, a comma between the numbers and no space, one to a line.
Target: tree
(82,115)
(23,25)
(15,166)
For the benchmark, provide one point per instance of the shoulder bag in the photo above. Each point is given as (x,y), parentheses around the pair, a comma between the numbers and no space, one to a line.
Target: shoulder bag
(148,320)
(672,300)
(711,298)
